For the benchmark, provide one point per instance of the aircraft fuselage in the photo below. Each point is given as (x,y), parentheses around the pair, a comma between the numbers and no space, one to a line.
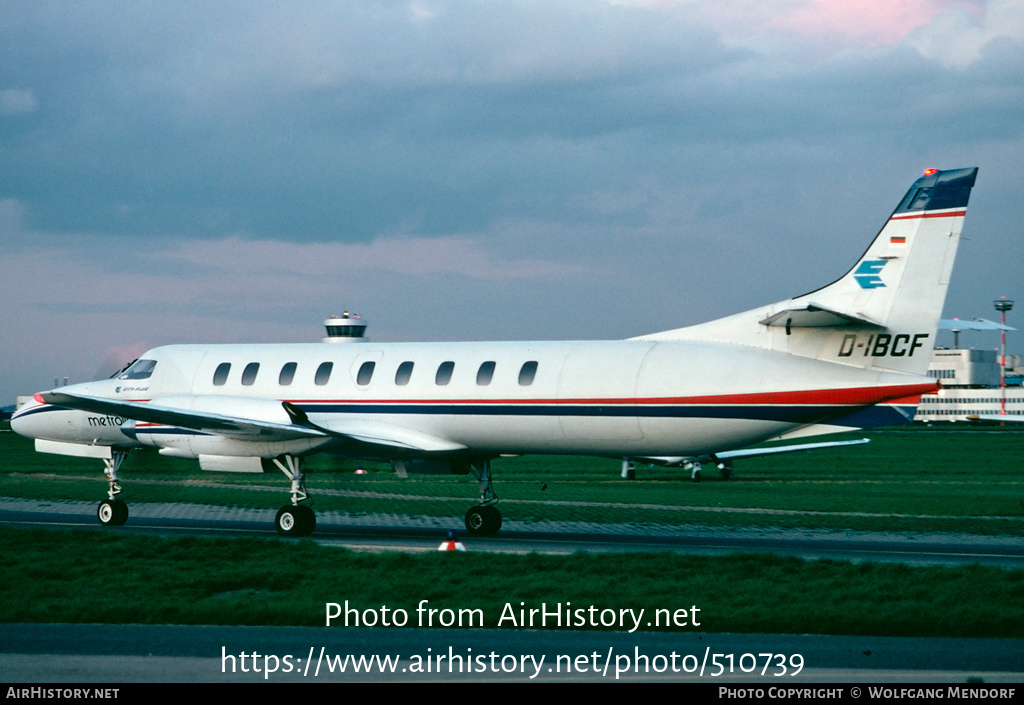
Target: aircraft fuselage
(606,398)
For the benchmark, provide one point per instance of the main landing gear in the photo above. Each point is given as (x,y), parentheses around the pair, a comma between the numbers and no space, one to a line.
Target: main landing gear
(484,519)
(294,519)
(113,512)
(725,467)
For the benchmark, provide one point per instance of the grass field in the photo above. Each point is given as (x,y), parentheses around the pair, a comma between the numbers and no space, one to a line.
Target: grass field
(950,480)
(93,576)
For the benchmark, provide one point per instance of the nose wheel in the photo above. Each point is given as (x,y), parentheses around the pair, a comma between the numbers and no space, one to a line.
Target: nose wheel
(295,521)
(112,512)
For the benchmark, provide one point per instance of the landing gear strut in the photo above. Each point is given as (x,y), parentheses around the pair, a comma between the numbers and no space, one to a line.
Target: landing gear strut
(294,519)
(484,519)
(113,512)
(628,469)
(694,471)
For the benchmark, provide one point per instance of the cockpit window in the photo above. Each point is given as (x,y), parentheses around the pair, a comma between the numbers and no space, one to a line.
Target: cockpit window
(142,369)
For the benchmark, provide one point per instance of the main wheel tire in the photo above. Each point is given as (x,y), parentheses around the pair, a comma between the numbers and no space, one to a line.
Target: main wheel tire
(112,512)
(483,521)
(295,521)
(493,519)
(307,520)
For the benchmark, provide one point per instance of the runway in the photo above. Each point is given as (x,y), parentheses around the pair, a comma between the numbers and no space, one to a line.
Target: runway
(395,533)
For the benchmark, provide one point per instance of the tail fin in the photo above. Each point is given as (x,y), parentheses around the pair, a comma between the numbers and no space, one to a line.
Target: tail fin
(885,311)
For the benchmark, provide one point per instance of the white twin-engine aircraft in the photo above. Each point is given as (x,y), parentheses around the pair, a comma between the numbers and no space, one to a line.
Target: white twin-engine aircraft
(851,355)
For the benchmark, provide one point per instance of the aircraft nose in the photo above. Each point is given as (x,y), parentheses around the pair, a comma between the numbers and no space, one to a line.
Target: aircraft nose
(25,421)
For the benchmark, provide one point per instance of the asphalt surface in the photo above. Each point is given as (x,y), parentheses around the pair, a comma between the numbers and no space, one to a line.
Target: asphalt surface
(183,654)
(402,533)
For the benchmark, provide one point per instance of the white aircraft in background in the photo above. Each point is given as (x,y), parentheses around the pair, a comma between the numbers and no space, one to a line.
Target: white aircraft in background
(851,355)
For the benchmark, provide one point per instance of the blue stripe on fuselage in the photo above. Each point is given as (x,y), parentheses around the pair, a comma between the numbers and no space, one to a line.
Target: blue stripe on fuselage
(785,413)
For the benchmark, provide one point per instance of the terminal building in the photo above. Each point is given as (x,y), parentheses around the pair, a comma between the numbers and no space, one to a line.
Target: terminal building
(971,381)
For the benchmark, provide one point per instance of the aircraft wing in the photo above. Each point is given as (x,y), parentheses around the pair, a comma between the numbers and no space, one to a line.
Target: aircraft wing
(199,420)
(753,452)
(294,424)
(378,434)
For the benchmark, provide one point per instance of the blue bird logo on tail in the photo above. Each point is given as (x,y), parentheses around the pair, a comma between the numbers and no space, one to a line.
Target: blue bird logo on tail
(867,274)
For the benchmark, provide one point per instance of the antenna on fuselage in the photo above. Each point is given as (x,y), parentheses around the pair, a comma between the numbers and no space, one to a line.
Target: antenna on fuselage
(346,328)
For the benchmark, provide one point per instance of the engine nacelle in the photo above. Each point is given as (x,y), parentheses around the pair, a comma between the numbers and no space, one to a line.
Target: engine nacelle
(224,463)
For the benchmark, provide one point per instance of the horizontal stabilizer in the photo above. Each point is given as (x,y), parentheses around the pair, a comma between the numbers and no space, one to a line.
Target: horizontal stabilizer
(1007,418)
(812,315)
(752,452)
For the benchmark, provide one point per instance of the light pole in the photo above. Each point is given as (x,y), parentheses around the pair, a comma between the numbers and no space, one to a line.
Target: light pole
(1002,305)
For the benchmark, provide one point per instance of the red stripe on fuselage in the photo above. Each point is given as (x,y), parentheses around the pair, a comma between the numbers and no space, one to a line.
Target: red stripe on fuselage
(857,396)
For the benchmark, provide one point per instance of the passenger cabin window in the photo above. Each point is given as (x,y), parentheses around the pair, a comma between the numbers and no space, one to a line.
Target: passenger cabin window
(485,373)
(249,373)
(140,369)
(527,372)
(403,374)
(365,373)
(287,374)
(220,375)
(444,373)
(323,373)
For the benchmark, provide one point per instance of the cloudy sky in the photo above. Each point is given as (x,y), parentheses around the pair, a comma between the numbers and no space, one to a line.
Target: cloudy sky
(236,171)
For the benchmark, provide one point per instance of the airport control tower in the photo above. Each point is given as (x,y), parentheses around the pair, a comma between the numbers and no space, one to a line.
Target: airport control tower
(346,328)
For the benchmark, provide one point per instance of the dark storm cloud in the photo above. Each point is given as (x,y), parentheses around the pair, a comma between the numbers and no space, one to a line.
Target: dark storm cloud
(151,122)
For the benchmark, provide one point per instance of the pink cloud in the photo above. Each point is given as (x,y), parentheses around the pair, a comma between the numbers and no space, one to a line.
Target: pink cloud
(865,22)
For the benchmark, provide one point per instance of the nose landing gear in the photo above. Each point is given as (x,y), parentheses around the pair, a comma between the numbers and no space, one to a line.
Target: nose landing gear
(113,512)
